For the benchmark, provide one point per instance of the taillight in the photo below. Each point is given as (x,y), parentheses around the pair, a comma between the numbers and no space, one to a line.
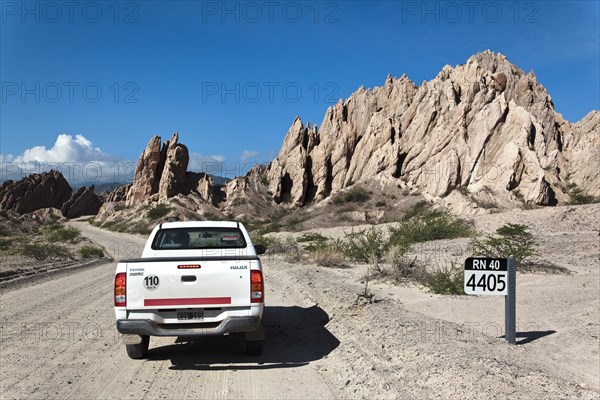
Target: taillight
(120,289)
(257,287)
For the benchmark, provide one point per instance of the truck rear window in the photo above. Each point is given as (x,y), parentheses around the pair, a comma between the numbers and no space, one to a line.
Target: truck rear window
(198,238)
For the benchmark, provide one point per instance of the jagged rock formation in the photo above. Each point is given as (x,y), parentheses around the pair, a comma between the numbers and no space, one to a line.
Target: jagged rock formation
(159,170)
(248,197)
(172,180)
(204,185)
(484,125)
(82,202)
(36,191)
(582,146)
(119,194)
(48,190)
(161,174)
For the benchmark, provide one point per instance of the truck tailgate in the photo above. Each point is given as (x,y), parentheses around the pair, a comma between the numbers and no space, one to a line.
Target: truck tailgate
(172,284)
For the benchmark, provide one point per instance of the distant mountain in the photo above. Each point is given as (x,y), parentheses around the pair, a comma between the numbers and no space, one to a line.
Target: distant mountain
(103,187)
(484,128)
(45,190)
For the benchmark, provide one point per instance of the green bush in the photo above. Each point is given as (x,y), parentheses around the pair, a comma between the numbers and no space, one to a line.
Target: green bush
(60,234)
(354,195)
(259,238)
(366,245)
(578,196)
(446,280)
(91,252)
(270,227)
(313,241)
(108,224)
(328,255)
(114,226)
(402,268)
(239,201)
(322,250)
(6,244)
(293,252)
(158,211)
(417,209)
(510,239)
(426,225)
(43,251)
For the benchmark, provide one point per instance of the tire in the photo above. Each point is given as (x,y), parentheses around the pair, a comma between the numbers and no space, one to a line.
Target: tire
(137,351)
(254,347)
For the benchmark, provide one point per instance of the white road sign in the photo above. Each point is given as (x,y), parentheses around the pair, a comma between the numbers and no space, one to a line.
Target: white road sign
(486,276)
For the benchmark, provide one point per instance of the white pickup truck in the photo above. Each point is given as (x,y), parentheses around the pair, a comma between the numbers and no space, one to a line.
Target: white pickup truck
(193,279)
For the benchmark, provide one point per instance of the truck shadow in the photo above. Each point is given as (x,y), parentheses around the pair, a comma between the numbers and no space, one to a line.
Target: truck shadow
(295,336)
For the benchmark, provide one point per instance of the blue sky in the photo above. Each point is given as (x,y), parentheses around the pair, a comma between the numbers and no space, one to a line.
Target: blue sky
(94,81)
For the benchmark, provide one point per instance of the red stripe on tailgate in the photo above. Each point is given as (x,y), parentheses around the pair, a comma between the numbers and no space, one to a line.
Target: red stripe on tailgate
(187,301)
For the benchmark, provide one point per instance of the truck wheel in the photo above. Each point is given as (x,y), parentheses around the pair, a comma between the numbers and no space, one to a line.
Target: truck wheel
(137,351)
(254,347)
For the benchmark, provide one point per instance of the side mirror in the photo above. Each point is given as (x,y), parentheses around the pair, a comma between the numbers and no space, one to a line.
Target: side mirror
(260,249)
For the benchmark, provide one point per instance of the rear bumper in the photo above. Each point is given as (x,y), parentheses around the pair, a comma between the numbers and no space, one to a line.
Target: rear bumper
(151,328)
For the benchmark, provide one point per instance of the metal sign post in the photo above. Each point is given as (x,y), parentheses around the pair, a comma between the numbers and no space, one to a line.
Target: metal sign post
(510,302)
(495,277)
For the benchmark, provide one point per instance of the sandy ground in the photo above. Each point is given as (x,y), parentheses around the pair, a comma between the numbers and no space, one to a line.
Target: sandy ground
(58,338)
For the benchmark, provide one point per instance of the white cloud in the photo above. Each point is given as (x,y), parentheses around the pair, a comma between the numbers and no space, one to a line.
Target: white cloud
(214,165)
(248,154)
(75,157)
(66,149)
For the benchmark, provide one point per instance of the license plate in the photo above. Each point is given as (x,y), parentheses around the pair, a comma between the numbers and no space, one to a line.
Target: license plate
(190,315)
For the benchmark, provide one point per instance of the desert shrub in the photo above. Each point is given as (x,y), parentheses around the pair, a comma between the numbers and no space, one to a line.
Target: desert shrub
(328,256)
(158,211)
(446,280)
(270,227)
(354,195)
(345,209)
(292,251)
(239,201)
(486,204)
(428,225)
(322,250)
(114,226)
(108,224)
(258,238)
(141,229)
(93,222)
(380,203)
(312,241)
(288,248)
(510,239)
(6,244)
(366,245)
(578,196)
(63,234)
(417,209)
(365,296)
(403,268)
(43,251)
(91,252)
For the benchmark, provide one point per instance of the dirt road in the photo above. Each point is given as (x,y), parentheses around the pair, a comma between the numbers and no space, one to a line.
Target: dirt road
(58,341)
